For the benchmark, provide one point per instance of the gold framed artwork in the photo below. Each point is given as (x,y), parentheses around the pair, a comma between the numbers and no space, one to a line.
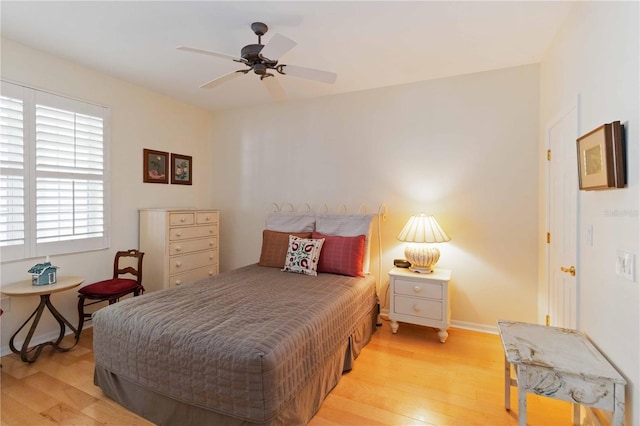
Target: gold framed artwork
(601,160)
(155,166)
(181,169)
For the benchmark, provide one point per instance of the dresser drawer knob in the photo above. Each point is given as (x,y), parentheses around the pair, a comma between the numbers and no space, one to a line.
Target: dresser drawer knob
(182,219)
(207,218)
(211,243)
(211,257)
(178,234)
(210,273)
(211,231)
(178,264)
(416,308)
(417,289)
(178,248)
(178,282)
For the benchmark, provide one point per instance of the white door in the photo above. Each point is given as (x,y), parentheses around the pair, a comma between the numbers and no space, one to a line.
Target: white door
(563,203)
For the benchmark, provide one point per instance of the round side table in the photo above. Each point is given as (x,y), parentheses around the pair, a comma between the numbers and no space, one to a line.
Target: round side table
(25,288)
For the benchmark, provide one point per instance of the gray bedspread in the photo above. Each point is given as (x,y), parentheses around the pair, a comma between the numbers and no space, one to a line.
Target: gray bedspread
(241,343)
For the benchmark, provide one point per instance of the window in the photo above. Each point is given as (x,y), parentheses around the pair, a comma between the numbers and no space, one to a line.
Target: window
(53,174)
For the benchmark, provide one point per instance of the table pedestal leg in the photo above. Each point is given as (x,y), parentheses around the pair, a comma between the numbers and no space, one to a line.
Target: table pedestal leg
(24,352)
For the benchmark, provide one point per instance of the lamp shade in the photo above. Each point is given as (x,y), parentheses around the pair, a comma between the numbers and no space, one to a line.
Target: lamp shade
(418,231)
(423,229)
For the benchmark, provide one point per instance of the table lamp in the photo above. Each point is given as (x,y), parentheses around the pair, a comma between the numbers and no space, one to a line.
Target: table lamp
(419,232)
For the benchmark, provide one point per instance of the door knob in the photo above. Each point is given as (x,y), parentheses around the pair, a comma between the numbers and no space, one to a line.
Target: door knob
(571,270)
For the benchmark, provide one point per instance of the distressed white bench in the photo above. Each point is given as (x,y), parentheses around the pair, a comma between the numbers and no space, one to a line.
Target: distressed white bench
(558,363)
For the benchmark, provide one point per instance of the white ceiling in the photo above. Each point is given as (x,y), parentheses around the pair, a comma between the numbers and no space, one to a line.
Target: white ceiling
(369,44)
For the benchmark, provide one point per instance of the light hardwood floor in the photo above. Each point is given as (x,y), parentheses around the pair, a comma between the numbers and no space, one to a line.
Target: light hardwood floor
(409,378)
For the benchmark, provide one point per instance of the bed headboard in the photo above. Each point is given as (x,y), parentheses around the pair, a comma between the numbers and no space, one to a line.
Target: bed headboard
(286,218)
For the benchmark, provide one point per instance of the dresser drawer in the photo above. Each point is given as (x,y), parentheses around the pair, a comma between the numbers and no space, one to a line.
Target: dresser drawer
(189,246)
(179,264)
(203,218)
(192,276)
(418,289)
(193,232)
(422,308)
(176,219)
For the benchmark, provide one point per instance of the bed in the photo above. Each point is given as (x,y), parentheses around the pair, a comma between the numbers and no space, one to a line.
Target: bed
(255,345)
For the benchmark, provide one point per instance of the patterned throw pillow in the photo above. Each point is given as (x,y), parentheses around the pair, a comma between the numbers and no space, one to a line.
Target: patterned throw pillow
(302,255)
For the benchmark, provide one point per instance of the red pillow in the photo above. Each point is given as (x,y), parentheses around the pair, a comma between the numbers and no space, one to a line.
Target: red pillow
(341,255)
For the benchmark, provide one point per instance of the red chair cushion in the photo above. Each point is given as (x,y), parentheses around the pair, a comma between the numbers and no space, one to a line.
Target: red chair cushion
(109,287)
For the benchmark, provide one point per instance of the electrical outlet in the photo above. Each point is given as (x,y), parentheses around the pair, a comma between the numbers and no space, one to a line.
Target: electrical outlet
(626,265)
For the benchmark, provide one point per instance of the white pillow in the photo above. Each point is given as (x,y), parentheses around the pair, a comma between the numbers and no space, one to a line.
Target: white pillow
(290,222)
(348,225)
(303,255)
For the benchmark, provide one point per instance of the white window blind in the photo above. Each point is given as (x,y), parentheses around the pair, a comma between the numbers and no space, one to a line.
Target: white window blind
(12,222)
(53,176)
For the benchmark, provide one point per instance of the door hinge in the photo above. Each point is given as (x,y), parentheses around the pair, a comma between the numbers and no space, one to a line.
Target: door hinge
(548,155)
(548,320)
(548,238)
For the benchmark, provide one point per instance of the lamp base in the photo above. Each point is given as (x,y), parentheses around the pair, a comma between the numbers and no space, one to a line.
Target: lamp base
(421,270)
(422,257)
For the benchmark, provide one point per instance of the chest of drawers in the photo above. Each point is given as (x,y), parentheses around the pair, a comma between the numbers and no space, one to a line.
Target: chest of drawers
(421,299)
(180,246)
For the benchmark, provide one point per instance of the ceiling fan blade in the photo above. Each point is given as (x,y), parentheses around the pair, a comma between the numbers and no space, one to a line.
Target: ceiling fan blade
(208,52)
(277,46)
(310,73)
(220,80)
(274,88)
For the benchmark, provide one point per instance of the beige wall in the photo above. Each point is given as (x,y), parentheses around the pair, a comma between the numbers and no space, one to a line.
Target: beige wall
(139,119)
(595,57)
(463,149)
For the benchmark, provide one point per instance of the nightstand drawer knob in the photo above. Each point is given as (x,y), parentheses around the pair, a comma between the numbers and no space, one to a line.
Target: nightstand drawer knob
(178,234)
(178,264)
(178,282)
(416,308)
(178,248)
(417,289)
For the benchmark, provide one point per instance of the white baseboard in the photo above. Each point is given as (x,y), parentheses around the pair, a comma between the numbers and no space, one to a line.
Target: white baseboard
(482,328)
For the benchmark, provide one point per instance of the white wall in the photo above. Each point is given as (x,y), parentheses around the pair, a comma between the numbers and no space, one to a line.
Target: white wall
(463,149)
(139,119)
(595,56)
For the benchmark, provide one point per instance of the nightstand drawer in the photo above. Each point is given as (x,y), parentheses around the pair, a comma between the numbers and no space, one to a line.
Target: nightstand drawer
(422,308)
(188,246)
(418,289)
(181,219)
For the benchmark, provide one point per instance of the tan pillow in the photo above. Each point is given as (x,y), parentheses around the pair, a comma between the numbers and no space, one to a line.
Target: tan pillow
(275,245)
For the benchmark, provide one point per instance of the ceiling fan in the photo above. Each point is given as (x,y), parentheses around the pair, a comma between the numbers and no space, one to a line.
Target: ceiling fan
(263,60)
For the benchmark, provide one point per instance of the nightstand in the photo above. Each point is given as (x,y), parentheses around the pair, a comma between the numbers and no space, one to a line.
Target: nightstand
(421,299)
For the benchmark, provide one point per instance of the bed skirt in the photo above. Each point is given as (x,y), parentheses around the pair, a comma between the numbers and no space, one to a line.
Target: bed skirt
(164,410)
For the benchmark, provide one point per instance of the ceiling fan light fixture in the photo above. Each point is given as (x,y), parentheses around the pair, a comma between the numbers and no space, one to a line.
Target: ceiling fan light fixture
(261,59)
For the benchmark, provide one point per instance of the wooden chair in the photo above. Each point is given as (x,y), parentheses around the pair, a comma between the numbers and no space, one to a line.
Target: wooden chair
(113,289)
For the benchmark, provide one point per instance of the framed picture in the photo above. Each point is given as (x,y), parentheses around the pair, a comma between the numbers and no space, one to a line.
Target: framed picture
(155,166)
(181,169)
(601,162)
